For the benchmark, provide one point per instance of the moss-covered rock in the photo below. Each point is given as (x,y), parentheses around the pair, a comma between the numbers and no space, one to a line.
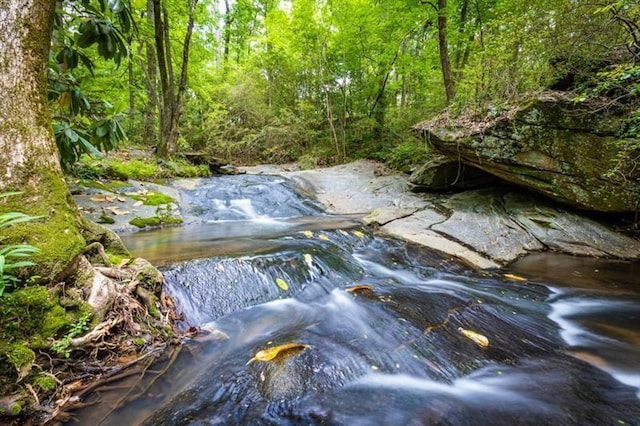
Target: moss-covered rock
(566,150)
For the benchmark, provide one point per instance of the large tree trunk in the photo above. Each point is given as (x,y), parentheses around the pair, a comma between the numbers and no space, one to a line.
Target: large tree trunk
(28,153)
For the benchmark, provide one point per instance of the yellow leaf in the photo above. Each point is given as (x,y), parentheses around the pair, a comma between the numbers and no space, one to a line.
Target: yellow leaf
(515,277)
(308,234)
(323,237)
(276,351)
(358,234)
(282,284)
(476,337)
(308,259)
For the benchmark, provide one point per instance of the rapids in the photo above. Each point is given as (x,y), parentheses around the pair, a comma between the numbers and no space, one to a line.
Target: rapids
(385,325)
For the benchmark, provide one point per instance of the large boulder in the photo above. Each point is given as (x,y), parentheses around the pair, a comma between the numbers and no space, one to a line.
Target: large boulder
(566,150)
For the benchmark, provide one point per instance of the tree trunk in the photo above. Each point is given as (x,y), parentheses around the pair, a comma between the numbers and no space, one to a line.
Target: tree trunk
(166,88)
(171,105)
(28,153)
(443,45)
(151,75)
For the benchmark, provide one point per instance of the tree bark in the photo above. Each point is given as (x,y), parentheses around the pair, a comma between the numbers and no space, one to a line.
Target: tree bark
(443,44)
(28,153)
(150,134)
(166,88)
(171,105)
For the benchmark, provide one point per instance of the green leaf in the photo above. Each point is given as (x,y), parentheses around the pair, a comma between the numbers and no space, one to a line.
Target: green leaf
(15,265)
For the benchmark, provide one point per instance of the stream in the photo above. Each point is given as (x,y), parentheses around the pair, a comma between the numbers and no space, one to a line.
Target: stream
(381,332)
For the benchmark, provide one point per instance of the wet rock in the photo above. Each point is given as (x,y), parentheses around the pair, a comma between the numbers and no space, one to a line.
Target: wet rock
(568,232)
(485,228)
(478,219)
(384,215)
(565,150)
(417,228)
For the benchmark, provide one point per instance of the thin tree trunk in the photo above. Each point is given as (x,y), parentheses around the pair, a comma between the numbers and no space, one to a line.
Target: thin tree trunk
(226,32)
(171,105)
(443,45)
(176,108)
(151,76)
(132,97)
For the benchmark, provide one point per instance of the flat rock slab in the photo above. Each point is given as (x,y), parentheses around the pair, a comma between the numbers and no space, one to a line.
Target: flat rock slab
(117,204)
(486,228)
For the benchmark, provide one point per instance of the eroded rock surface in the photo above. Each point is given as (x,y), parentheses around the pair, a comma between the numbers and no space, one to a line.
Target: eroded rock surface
(566,150)
(486,227)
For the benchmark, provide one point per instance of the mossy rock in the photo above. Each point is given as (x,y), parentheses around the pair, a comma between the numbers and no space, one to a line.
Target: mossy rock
(568,152)
(154,221)
(93,232)
(148,276)
(154,199)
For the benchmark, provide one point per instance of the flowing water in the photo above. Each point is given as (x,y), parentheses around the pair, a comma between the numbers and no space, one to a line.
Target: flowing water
(385,333)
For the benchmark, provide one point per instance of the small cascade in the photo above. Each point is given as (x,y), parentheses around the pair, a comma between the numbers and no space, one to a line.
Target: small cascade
(372,330)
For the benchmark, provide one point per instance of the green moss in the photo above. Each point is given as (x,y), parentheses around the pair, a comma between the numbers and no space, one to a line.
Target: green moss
(56,234)
(44,382)
(154,198)
(109,185)
(154,221)
(133,169)
(23,312)
(105,219)
(139,342)
(15,409)
(116,259)
(55,320)
(20,355)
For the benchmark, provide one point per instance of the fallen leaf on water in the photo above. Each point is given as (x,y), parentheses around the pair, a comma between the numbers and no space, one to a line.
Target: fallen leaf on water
(272,353)
(308,259)
(323,237)
(282,284)
(119,212)
(358,289)
(358,234)
(476,337)
(343,232)
(138,204)
(100,199)
(308,234)
(514,277)
(122,199)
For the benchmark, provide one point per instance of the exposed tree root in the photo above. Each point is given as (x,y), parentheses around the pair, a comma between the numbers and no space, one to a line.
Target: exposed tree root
(132,325)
